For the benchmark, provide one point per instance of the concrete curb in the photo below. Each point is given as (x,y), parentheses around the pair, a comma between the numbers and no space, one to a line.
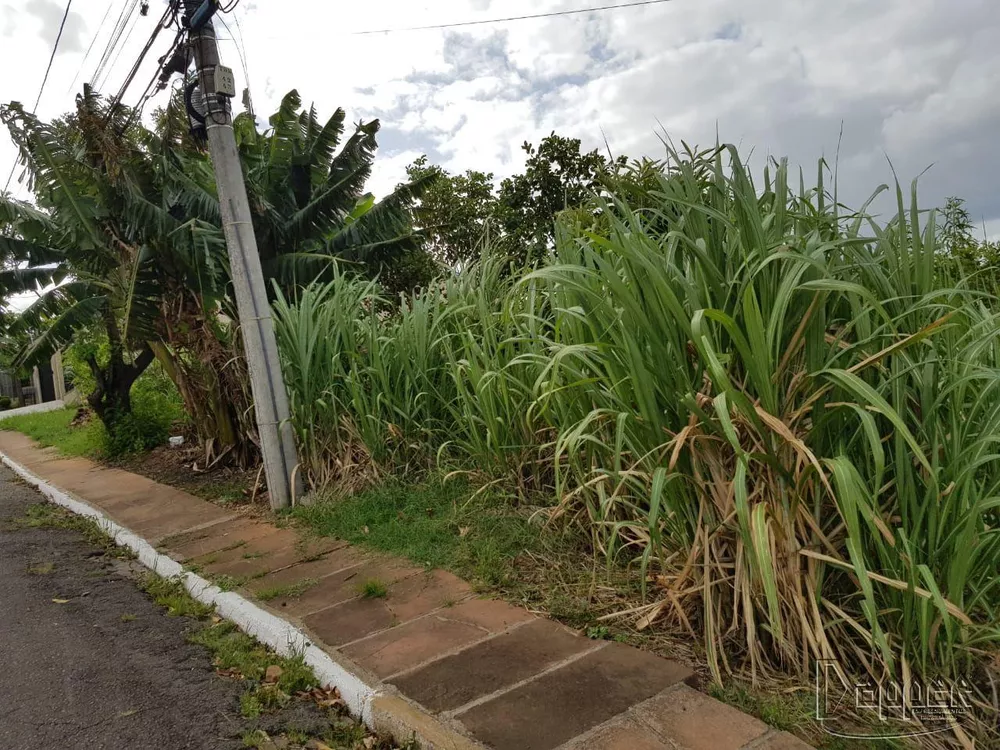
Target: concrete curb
(280,635)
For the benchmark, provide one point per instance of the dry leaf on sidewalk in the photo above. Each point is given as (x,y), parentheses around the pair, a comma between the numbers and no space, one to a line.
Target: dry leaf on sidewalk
(61,601)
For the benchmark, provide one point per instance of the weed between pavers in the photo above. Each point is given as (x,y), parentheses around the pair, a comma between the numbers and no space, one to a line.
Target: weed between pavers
(290,591)
(373,588)
(230,583)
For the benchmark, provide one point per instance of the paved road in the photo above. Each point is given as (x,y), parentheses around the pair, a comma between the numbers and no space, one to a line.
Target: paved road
(79,674)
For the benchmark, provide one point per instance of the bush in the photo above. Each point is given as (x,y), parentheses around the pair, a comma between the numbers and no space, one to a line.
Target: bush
(5,402)
(131,434)
(156,408)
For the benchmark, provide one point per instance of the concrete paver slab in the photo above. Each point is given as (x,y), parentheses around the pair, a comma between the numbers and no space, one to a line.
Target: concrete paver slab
(211,539)
(344,585)
(418,641)
(622,733)
(498,663)
(407,599)
(695,721)
(563,704)
(778,741)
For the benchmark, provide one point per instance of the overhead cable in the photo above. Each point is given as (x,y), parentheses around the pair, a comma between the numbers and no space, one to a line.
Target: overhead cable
(528,17)
(45,79)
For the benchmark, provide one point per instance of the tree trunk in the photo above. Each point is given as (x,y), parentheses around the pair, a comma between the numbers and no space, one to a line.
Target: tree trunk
(112,396)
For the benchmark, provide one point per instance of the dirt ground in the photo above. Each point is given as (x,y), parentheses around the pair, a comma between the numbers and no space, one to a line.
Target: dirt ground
(184,468)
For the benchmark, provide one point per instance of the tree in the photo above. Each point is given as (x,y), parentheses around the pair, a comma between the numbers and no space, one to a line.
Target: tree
(458,213)
(102,247)
(455,212)
(557,176)
(308,198)
(956,229)
(980,261)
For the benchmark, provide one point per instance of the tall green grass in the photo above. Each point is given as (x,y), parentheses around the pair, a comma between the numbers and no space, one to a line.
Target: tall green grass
(787,410)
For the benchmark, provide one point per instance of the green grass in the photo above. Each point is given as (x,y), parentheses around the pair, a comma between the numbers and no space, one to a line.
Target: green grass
(234,650)
(291,591)
(52,429)
(171,594)
(373,588)
(435,524)
(227,582)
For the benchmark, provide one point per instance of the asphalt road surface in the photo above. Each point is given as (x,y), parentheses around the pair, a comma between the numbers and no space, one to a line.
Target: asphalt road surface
(107,668)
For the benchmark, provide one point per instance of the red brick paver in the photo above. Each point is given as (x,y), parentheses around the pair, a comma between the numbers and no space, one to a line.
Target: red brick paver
(622,733)
(457,671)
(694,721)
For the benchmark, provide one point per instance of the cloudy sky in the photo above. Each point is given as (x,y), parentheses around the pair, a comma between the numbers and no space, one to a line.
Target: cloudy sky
(911,81)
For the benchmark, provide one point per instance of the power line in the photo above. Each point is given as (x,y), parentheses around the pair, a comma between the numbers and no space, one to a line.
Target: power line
(550,14)
(241,51)
(102,61)
(91,47)
(45,79)
(163,22)
(118,54)
(55,47)
(150,91)
(128,7)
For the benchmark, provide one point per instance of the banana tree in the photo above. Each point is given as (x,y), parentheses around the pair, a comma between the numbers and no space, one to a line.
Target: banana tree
(101,248)
(309,210)
(307,197)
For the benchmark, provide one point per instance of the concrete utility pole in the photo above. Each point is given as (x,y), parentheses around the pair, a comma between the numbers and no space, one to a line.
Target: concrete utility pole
(277,440)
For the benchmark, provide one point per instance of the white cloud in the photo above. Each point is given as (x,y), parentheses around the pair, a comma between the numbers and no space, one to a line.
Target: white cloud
(49,14)
(914,80)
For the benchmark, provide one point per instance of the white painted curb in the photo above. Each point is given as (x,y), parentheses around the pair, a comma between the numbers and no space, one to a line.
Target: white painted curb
(279,634)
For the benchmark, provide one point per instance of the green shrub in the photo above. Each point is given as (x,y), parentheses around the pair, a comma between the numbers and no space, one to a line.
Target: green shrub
(156,404)
(5,402)
(134,433)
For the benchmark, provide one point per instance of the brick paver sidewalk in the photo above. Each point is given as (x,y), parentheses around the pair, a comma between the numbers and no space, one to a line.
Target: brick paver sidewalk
(456,669)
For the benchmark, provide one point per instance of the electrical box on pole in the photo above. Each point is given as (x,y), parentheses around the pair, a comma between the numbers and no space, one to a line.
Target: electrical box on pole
(224,81)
